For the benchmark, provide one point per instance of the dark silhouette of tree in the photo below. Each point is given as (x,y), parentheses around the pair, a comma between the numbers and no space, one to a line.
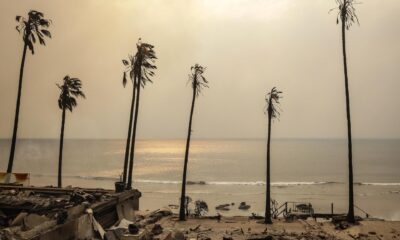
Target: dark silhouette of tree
(70,89)
(272,111)
(347,16)
(129,64)
(34,28)
(143,70)
(198,82)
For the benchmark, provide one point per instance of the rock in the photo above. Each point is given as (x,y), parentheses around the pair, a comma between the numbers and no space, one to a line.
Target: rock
(156,229)
(195,229)
(133,228)
(227,237)
(165,212)
(341,225)
(372,233)
(203,236)
(195,182)
(244,206)
(178,235)
(223,207)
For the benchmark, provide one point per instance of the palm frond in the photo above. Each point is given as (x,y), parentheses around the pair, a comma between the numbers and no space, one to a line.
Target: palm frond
(70,89)
(35,25)
(128,69)
(144,62)
(198,81)
(272,99)
(346,12)
(46,33)
(124,80)
(139,66)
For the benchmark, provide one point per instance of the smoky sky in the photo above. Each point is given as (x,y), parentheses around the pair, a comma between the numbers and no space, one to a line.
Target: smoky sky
(248,47)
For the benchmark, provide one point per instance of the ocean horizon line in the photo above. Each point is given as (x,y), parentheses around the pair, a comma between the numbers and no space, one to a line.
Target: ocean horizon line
(210,139)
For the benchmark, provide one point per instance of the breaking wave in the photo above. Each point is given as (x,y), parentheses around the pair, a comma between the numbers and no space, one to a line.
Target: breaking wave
(227,183)
(249,183)
(256,183)
(379,184)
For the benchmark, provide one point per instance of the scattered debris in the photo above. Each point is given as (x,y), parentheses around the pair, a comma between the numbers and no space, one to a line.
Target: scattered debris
(201,208)
(157,229)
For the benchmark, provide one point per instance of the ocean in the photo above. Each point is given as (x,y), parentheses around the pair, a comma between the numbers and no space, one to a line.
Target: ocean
(227,171)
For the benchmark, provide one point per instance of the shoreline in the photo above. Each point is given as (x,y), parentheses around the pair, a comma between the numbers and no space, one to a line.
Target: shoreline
(240,227)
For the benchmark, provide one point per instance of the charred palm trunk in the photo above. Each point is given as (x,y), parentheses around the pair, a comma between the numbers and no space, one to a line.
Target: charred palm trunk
(267,219)
(128,139)
(132,156)
(16,118)
(61,149)
(183,192)
(350,214)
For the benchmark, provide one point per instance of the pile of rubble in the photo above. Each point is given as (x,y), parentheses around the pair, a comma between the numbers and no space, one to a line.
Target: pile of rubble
(144,226)
(28,213)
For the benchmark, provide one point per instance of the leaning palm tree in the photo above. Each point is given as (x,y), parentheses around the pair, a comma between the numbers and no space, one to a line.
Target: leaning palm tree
(143,70)
(70,89)
(272,111)
(129,64)
(347,16)
(198,82)
(32,29)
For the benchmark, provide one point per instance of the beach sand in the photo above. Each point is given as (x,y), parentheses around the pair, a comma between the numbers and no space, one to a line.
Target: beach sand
(244,228)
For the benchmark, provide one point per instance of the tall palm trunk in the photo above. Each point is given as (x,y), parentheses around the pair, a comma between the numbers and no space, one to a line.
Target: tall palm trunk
(61,149)
(183,192)
(350,214)
(267,219)
(128,139)
(16,118)
(129,184)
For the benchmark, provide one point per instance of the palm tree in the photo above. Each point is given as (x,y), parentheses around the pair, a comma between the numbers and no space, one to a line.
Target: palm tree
(70,89)
(35,27)
(198,82)
(272,100)
(347,16)
(129,70)
(143,70)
